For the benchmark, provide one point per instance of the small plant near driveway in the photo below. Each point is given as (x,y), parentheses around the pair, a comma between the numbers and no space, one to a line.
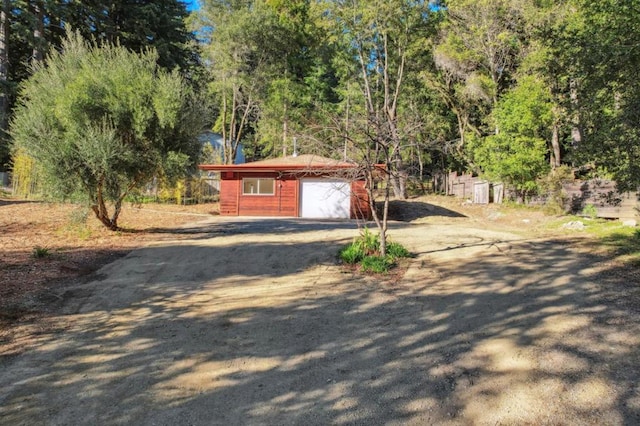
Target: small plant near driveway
(365,252)
(41,252)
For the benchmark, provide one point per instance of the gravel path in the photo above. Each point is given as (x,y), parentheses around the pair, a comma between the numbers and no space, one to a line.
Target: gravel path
(252,322)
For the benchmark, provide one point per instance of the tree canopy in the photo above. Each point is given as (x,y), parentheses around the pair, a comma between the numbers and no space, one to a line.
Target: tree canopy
(29,29)
(102,121)
(508,89)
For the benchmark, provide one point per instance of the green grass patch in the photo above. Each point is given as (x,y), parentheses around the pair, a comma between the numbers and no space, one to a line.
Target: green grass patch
(624,243)
(40,252)
(616,239)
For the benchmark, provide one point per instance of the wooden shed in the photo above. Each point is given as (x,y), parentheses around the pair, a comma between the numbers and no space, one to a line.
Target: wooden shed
(296,186)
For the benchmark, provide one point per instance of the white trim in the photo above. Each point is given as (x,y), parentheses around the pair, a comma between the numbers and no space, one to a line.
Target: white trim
(259,179)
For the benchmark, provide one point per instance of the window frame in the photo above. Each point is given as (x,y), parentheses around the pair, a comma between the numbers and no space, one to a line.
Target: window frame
(259,186)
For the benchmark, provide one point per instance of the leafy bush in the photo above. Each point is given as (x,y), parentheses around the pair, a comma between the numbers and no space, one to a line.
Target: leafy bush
(397,250)
(365,250)
(101,120)
(376,264)
(351,254)
(365,244)
(369,242)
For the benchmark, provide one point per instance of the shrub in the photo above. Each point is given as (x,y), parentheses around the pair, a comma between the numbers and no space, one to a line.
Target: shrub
(590,211)
(365,250)
(368,241)
(351,254)
(376,264)
(397,250)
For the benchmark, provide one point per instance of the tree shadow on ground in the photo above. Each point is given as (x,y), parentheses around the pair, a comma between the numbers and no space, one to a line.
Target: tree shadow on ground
(8,202)
(226,226)
(530,336)
(408,211)
(625,245)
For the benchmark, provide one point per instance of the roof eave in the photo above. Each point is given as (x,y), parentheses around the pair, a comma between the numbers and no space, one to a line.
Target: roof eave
(274,168)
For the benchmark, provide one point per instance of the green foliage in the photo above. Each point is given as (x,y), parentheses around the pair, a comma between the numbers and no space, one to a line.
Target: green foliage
(102,121)
(40,252)
(477,53)
(351,254)
(517,154)
(35,28)
(26,175)
(525,110)
(593,46)
(365,250)
(552,185)
(397,250)
(590,211)
(376,264)
(368,241)
(516,160)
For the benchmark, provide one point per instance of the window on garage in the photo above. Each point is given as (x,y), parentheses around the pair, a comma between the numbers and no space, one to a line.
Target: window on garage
(258,186)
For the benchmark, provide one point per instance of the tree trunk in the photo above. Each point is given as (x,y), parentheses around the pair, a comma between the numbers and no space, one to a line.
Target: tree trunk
(4,67)
(346,126)
(398,178)
(38,31)
(285,129)
(576,131)
(555,146)
(99,208)
(381,222)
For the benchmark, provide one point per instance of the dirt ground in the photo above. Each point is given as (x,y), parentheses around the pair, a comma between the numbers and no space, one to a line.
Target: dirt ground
(496,320)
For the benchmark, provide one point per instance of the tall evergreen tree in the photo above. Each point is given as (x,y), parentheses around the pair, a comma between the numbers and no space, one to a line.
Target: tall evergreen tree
(33,27)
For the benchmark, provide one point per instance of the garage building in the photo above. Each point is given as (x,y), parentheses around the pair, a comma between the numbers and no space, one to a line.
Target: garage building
(306,186)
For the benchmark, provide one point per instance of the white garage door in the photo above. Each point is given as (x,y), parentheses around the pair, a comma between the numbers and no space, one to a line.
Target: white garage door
(322,198)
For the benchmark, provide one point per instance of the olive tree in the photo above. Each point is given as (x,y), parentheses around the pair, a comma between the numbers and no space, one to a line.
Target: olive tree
(102,121)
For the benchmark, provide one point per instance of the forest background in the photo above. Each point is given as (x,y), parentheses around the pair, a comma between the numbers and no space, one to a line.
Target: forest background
(526,92)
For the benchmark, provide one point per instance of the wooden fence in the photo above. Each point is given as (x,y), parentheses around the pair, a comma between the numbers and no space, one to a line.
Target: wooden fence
(469,186)
(604,196)
(581,196)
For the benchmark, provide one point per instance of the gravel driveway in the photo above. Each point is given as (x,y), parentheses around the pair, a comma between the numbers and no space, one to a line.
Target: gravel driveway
(253,322)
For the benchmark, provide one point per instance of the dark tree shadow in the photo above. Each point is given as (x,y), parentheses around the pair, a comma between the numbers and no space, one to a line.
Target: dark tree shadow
(408,211)
(195,342)
(9,202)
(223,226)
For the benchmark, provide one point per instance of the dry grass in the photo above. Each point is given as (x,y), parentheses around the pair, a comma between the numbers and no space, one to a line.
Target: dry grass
(44,245)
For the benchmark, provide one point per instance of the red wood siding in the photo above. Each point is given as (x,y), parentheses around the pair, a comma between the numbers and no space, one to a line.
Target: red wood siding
(228,196)
(282,203)
(285,201)
(359,201)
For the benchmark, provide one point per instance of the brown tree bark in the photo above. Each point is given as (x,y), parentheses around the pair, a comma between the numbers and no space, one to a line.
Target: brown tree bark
(38,31)
(4,66)
(555,146)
